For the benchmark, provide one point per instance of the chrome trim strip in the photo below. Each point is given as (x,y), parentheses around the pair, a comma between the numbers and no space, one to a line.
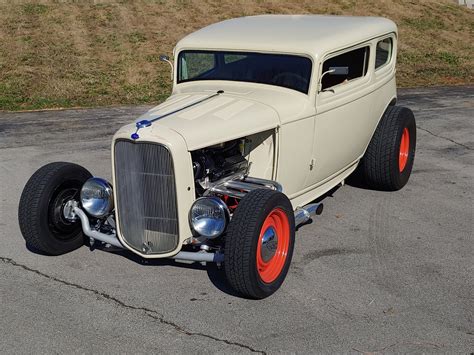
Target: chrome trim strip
(148,123)
(185,107)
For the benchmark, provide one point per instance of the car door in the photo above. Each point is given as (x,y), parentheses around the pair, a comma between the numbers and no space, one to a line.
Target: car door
(343,113)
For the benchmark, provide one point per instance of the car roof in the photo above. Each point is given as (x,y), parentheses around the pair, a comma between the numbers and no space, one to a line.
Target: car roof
(314,35)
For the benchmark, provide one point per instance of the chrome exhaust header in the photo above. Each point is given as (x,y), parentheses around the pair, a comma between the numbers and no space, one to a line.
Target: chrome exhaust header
(239,185)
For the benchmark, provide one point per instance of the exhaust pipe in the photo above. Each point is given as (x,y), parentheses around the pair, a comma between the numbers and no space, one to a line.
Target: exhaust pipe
(303,214)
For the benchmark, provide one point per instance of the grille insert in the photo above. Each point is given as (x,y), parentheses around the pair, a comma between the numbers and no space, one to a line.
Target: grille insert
(146,196)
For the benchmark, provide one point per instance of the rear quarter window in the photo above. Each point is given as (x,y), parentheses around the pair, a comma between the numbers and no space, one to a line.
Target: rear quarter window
(383,52)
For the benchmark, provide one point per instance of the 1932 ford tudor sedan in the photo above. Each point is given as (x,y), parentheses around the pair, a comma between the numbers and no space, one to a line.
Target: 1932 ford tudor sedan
(267,114)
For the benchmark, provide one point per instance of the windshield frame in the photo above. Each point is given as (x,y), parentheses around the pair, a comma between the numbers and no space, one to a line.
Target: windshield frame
(244,52)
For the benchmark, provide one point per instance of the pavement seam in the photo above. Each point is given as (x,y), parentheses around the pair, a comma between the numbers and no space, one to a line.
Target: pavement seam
(148,312)
(446,138)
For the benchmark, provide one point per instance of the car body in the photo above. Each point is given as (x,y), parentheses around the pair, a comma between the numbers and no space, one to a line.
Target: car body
(316,140)
(287,103)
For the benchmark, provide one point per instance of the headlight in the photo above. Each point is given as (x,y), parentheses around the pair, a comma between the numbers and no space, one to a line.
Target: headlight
(97,197)
(209,216)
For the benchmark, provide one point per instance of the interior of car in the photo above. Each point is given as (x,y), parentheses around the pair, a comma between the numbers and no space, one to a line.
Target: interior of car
(356,60)
(293,72)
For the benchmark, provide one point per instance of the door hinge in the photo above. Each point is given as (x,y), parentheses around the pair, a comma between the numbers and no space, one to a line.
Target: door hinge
(311,164)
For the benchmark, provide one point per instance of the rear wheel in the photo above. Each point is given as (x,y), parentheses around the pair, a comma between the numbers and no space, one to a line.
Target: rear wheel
(389,158)
(41,211)
(259,243)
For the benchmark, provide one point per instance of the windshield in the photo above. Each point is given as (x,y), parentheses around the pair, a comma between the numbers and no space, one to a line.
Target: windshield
(289,71)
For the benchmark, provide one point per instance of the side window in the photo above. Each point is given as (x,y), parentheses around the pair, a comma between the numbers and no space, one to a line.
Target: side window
(195,65)
(356,60)
(383,52)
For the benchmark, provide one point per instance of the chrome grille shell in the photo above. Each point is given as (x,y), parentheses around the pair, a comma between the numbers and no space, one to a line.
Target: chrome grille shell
(145,190)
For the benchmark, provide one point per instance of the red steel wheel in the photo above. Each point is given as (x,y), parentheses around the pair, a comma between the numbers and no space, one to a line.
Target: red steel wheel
(259,243)
(272,247)
(404,149)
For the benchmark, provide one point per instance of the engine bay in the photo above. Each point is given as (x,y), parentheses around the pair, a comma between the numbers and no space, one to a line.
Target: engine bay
(252,155)
(213,163)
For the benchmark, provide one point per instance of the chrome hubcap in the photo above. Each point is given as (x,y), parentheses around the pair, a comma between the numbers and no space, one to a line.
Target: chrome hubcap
(68,210)
(269,244)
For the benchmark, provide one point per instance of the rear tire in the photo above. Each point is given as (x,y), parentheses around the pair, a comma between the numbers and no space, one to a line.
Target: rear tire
(389,158)
(259,243)
(40,212)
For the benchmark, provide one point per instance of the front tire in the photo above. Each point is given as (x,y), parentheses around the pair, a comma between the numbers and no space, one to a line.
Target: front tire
(389,158)
(40,212)
(259,243)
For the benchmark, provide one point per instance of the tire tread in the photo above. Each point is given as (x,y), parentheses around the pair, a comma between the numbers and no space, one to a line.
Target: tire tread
(378,168)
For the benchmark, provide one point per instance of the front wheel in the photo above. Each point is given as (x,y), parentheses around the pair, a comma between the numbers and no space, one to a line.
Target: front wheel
(259,243)
(41,211)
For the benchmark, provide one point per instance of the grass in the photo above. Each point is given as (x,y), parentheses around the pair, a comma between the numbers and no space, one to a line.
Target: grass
(424,23)
(78,53)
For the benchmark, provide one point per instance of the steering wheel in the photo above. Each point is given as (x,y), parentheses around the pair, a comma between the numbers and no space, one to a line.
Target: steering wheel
(292,78)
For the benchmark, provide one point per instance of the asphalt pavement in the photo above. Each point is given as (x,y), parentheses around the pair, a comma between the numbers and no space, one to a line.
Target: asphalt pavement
(376,272)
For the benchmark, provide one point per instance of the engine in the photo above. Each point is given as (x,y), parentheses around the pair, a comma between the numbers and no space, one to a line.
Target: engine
(216,162)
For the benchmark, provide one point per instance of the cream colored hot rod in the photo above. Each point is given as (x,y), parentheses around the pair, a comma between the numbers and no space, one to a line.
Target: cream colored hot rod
(267,114)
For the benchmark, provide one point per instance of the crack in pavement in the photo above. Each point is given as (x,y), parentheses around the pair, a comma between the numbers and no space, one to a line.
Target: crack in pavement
(446,138)
(149,312)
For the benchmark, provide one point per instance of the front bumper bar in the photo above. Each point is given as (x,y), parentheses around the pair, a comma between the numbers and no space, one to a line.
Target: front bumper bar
(112,240)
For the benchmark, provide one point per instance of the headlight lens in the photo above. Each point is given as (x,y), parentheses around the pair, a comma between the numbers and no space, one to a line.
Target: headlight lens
(97,197)
(209,216)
